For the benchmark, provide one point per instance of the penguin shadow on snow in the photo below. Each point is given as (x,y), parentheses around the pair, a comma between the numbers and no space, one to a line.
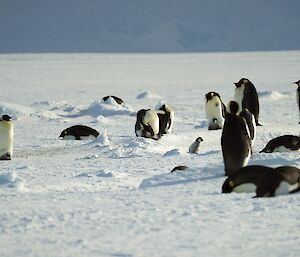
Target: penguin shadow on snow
(183,175)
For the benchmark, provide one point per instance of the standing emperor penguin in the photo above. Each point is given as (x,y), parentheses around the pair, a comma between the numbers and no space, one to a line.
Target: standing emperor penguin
(235,140)
(215,111)
(6,137)
(250,121)
(298,95)
(246,96)
(166,119)
(147,124)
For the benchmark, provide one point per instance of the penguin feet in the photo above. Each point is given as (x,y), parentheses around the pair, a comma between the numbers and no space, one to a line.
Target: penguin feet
(5,157)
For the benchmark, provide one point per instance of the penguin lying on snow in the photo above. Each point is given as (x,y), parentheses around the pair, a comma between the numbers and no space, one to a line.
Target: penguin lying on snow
(147,124)
(265,181)
(215,111)
(79,132)
(117,99)
(166,119)
(282,144)
(298,95)
(245,95)
(6,137)
(180,167)
(235,140)
(195,147)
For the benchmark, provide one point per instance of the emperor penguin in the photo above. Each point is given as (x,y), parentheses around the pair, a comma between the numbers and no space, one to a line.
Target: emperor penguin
(275,184)
(235,140)
(245,95)
(253,179)
(245,179)
(79,132)
(215,111)
(250,121)
(282,144)
(117,99)
(166,119)
(147,124)
(298,95)
(6,137)
(195,146)
(180,167)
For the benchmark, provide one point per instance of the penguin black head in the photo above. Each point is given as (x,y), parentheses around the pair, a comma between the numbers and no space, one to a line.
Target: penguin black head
(228,186)
(233,107)
(63,133)
(243,81)
(199,139)
(297,83)
(163,107)
(140,114)
(210,95)
(5,117)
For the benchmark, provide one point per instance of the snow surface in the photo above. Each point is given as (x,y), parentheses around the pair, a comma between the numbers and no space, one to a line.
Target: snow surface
(115,196)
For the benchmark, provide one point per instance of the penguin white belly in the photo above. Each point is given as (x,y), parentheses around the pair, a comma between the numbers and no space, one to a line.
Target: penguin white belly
(238,96)
(245,188)
(285,188)
(297,96)
(282,149)
(152,120)
(69,137)
(169,131)
(213,109)
(6,138)
(246,160)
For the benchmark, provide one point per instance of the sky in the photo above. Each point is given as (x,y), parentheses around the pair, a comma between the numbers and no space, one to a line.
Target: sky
(142,26)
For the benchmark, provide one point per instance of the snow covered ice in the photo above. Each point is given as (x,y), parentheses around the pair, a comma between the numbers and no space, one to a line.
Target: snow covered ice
(115,196)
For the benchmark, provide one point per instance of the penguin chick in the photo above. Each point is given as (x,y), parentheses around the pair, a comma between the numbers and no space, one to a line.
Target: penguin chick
(195,146)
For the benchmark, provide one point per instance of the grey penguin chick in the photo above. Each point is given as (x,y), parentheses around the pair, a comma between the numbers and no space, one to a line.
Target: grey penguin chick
(195,146)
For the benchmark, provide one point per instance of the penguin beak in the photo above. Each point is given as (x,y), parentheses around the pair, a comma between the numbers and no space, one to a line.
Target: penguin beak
(236,84)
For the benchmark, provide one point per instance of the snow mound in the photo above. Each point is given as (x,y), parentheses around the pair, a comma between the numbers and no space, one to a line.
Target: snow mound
(101,173)
(172,152)
(103,138)
(10,179)
(104,174)
(147,95)
(100,108)
(272,95)
(14,110)
(179,177)
(52,106)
